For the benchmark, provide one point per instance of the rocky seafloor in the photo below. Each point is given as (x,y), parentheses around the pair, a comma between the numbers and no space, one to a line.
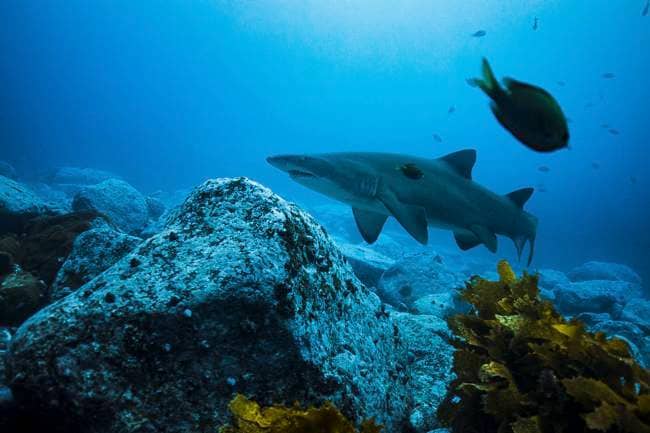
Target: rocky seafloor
(121,312)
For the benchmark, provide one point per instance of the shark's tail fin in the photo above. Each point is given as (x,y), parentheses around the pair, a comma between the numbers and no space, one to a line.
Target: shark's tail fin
(529,236)
(488,83)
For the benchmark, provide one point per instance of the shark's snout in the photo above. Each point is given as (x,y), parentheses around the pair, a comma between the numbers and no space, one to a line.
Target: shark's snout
(296,165)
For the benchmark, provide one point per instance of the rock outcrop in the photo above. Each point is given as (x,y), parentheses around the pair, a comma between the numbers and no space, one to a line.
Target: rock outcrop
(17,205)
(604,271)
(123,204)
(240,292)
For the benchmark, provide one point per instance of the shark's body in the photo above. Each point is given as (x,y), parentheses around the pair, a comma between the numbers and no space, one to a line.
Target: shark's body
(442,194)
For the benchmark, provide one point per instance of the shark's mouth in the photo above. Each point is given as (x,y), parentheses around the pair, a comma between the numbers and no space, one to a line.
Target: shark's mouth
(300,174)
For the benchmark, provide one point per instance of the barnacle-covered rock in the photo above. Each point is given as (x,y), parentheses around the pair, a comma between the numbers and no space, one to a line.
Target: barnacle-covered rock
(17,205)
(521,367)
(92,253)
(240,292)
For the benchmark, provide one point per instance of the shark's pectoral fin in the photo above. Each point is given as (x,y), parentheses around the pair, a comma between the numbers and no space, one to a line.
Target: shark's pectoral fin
(369,224)
(412,218)
(466,240)
(486,237)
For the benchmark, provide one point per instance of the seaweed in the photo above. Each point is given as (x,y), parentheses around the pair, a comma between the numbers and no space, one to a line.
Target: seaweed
(249,417)
(523,368)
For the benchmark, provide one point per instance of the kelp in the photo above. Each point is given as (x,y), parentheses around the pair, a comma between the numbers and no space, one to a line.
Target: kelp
(249,417)
(523,368)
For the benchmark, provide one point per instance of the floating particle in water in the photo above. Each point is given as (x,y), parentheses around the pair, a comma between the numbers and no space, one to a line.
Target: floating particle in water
(604,126)
(479,34)
(451,110)
(561,83)
(633,180)
(437,138)
(595,165)
(544,168)
(589,105)
(608,75)
(535,23)
(614,131)
(646,9)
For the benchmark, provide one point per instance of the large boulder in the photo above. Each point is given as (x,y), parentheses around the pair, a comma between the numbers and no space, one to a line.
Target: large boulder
(431,361)
(598,296)
(123,204)
(21,295)
(604,271)
(92,253)
(368,265)
(79,176)
(416,276)
(17,205)
(241,292)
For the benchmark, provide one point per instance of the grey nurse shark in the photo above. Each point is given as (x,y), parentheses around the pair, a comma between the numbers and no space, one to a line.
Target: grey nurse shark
(419,193)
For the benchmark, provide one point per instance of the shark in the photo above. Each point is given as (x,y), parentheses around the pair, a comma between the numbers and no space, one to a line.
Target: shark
(419,193)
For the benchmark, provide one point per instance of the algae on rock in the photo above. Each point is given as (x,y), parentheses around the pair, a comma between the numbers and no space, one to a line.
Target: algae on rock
(521,367)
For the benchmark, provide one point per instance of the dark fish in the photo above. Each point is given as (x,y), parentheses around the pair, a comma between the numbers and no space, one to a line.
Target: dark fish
(609,75)
(561,83)
(646,9)
(528,112)
(437,138)
(595,165)
(614,131)
(536,23)
(411,171)
(479,34)
(543,169)
(451,110)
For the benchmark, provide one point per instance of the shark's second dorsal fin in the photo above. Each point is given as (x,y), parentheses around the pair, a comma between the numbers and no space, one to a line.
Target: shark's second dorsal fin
(520,196)
(462,162)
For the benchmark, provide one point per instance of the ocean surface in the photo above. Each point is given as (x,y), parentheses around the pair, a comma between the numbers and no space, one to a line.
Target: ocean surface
(170,93)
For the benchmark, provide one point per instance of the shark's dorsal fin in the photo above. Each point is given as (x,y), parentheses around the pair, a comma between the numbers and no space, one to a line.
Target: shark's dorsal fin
(462,162)
(520,196)
(369,224)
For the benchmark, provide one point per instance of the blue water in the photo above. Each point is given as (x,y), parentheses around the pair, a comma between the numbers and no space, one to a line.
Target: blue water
(169,93)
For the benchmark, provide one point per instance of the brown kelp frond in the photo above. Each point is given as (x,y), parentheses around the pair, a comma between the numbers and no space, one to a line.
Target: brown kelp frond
(522,368)
(249,417)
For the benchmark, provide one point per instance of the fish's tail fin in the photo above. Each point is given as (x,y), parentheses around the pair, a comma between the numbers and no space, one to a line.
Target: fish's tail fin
(529,236)
(488,83)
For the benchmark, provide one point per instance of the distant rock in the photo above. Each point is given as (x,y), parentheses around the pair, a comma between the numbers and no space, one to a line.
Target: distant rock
(118,200)
(416,276)
(632,334)
(440,305)
(637,311)
(92,253)
(54,198)
(337,219)
(550,279)
(431,360)
(17,205)
(367,264)
(599,296)
(604,271)
(241,292)
(80,176)
(155,208)
(21,295)
(7,170)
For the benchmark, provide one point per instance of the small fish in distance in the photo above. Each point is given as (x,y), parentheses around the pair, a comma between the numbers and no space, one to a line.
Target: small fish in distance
(614,131)
(595,165)
(437,138)
(536,23)
(608,75)
(479,34)
(561,83)
(543,168)
(528,112)
(451,110)
(646,9)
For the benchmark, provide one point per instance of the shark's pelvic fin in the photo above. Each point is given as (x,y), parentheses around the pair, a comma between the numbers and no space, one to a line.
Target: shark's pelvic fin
(520,196)
(466,240)
(462,162)
(486,236)
(412,218)
(369,224)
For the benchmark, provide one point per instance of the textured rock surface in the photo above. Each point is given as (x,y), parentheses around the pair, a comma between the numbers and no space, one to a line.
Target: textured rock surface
(600,296)
(604,271)
(155,208)
(241,292)
(430,366)
(118,200)
(80,176)
(92,253)
(440,305)
(417,276)
(21,295)
(368,265)
(17,204)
